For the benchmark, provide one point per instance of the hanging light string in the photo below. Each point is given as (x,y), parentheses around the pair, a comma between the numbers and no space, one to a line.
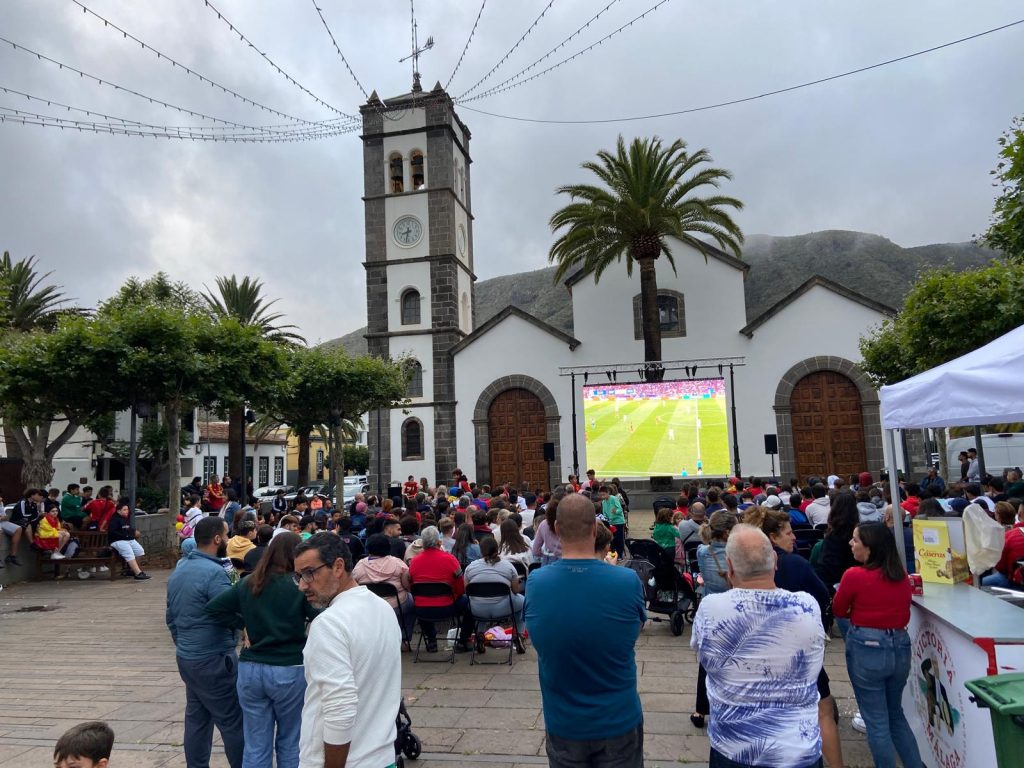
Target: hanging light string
(284,130)
(550,53)
(502,87)
(9,114)
(285,75)
(511,50)
(188,70)
(470,40)
(320,13)
(766,94)
(138,94)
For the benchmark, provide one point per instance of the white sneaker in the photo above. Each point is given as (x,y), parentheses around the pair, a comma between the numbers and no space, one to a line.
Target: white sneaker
(103,569)
(859,724)
(56,556)
(84,574)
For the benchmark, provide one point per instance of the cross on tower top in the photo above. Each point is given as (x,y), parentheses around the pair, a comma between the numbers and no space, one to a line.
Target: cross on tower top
(415,55)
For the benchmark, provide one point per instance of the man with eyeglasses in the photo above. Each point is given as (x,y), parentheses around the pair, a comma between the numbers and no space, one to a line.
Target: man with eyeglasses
(352,661)
(205,650)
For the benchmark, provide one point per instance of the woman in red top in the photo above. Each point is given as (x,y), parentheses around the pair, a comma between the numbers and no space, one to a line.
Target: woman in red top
(100,509)
(875,596)
(215,497)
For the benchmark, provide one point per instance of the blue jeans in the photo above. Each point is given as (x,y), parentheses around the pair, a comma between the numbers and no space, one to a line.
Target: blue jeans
(271,696)
(211,699)
(996,579)
(500,611)
(879,664)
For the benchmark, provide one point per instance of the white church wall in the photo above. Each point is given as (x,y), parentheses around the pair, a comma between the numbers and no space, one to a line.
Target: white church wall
(512,347)
(412,120)
(421,348)
(401,469)
(400,278)
(398,206)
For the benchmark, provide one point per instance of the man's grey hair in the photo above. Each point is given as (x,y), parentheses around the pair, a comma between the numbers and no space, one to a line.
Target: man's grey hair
(464,502)
(559,493)
(750,552)
(431,537)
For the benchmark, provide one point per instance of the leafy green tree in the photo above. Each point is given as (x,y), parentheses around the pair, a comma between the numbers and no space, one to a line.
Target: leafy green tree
(244,302)
(357,459)
(648,195)
(1006,230)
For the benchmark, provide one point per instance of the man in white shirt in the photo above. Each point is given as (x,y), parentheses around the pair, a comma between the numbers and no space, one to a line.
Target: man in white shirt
(817,511)
(763,648)
(352,662)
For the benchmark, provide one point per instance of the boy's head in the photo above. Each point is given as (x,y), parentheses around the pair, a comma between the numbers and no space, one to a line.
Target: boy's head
(86,745)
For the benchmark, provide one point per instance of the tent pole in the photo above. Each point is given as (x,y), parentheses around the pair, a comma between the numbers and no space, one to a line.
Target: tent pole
(894,489)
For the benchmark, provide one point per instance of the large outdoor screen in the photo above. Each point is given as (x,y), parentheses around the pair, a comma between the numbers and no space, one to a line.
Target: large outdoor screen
(674,428)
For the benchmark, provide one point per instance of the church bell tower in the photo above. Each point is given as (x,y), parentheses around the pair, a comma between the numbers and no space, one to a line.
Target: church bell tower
(419,273)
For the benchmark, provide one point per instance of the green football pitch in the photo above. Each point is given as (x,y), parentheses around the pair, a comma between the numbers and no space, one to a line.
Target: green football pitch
(655,437)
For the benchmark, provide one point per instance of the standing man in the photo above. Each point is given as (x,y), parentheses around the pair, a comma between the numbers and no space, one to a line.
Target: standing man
(763,648)
(205,650)
(611,508)
(353,663)
(591,706)
(973,468)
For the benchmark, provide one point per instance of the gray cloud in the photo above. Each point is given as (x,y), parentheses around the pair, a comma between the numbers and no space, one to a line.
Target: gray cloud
(903,151)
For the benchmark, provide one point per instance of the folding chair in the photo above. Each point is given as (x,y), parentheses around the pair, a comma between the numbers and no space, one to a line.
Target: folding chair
(442,617)
(491,589)
(385,590)
(520,569)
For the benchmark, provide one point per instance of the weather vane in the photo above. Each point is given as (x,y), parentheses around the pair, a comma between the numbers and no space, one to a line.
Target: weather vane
(416,51)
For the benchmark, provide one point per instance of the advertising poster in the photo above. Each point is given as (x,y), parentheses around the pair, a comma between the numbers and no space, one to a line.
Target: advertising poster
(939,559)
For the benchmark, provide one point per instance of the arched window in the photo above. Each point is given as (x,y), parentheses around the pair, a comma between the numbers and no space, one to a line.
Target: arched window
(396,172)
(418,177)
(412,439)
(416,379)
(671,315)
(411,307)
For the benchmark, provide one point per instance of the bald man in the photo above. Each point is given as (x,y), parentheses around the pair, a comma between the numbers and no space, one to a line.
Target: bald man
(763,648)
(584,617)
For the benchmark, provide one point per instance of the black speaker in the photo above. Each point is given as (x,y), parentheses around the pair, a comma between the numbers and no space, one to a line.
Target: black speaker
(771,444)
(549,451)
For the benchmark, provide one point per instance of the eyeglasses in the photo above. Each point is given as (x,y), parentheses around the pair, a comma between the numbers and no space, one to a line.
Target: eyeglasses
(306,575)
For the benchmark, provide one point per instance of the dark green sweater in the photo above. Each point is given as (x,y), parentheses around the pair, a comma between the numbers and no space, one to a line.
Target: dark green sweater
(275,622)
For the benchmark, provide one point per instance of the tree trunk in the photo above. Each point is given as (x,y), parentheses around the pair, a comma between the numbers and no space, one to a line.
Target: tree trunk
(172,418)
(13,449)
(236,440)
(303,436)
(37,451)
(650,321)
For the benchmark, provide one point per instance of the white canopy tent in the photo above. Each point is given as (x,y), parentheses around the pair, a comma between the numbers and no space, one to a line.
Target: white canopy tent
(981,387)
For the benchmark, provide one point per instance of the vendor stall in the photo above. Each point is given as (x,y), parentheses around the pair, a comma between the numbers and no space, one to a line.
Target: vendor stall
(957,631)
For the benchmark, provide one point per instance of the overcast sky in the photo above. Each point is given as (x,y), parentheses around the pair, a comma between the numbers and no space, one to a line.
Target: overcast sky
(903,151)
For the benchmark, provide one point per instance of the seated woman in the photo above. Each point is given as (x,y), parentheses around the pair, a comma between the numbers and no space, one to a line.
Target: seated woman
(380,566)
(490,568)
(466,549)
(513,546)
(121,535)
(51,536)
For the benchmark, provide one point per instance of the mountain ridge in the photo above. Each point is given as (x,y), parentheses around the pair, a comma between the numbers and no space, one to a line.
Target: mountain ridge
(861,261)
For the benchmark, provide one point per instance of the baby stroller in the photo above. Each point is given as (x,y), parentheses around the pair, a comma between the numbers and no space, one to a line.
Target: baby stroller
(667,590)
(407,743)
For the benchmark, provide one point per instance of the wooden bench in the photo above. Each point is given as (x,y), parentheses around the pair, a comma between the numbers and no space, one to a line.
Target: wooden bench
(90,544)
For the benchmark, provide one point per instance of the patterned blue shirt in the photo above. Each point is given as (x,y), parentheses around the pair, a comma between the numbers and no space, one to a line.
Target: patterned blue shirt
(763,650)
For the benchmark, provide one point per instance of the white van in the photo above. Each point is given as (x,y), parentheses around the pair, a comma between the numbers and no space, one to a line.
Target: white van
(1003,450)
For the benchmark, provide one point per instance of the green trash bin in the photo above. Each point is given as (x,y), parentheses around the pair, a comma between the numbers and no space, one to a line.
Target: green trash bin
(1004,696)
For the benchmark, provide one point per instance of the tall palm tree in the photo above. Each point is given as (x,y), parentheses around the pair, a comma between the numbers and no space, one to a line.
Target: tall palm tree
(243,301)
(650,195)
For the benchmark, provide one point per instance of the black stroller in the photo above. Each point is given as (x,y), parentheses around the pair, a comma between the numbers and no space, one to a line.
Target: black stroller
(407,743)
(667,590)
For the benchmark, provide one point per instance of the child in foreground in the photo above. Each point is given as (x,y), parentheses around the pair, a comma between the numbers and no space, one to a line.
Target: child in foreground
(86,745)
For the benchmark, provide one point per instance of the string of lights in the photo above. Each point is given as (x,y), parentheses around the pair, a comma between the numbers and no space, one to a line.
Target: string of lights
(334,42)
(285,75)
(592,46)
(547,55)
(138,94)
(188,70)
(288,129)
(8,114)
(766,94)
(466,47)
(510,51)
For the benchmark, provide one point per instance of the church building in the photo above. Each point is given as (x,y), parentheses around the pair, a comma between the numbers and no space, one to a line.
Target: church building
(488,398)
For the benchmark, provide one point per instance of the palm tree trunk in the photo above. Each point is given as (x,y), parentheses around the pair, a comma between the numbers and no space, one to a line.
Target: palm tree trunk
(303,478)
(650,321)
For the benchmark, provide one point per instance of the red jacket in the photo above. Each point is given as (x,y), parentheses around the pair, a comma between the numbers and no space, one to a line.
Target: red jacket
(911,505)
(1013,550)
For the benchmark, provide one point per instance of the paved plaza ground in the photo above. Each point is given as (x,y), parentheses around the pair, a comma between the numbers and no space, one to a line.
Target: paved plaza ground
(100,650)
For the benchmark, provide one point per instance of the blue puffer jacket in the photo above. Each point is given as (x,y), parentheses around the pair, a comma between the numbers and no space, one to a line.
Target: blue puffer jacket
(198,579)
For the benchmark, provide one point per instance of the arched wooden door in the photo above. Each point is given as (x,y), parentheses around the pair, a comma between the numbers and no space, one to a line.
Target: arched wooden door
(516,429)
(828,426)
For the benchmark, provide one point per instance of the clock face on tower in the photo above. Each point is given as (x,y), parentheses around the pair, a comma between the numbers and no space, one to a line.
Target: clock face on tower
(461,240)
(408,231)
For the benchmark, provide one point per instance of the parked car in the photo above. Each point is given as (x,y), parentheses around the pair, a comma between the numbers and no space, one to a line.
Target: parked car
(269,491)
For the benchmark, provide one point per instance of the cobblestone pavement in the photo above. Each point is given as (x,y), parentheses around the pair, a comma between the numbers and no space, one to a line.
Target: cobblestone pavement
(83,650)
